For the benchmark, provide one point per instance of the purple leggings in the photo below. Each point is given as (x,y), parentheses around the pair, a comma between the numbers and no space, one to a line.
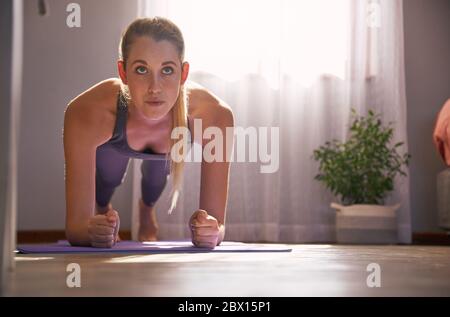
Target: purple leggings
(111,169)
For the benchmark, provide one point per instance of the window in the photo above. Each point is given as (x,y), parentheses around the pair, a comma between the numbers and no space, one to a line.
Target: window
(271,38)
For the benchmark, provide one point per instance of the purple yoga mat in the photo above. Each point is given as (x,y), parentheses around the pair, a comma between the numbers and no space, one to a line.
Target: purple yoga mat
(150,247)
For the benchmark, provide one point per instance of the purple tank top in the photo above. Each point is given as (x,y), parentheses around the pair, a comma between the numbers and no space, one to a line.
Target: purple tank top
(119,139)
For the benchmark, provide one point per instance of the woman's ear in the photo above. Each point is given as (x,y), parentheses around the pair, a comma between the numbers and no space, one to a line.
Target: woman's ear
(184,72)
(122,73)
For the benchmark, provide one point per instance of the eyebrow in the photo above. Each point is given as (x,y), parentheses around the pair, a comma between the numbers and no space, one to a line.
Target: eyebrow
(144,62)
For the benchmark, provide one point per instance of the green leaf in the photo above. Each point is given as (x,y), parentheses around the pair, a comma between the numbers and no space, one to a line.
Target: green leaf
(363,168)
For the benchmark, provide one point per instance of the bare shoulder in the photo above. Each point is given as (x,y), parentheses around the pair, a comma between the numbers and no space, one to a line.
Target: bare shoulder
(97,95)
(95,109)
(204,104)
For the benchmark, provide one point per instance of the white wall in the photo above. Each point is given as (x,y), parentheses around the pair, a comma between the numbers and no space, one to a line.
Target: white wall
(59,63)
(427,59)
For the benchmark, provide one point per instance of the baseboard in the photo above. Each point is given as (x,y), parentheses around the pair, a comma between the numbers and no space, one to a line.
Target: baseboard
(47,236)
(431,238)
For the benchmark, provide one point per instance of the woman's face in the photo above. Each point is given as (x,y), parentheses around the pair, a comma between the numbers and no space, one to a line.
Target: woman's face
(154,75)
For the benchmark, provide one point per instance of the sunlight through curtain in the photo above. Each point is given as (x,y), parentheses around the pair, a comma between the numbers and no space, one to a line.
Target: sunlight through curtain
(300,66)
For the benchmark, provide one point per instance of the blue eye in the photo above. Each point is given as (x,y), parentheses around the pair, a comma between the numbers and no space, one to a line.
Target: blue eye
(167,70)
(141,70)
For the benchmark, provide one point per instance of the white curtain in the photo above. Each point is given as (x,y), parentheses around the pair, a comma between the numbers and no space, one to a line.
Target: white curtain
(300,66)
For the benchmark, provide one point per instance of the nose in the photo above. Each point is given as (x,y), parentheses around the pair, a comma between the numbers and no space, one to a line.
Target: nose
(154,85)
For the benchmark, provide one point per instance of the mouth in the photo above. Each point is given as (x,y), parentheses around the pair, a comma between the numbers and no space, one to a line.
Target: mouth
(154,103)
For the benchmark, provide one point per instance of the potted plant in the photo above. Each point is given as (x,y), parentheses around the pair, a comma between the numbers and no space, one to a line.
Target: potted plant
(361,172)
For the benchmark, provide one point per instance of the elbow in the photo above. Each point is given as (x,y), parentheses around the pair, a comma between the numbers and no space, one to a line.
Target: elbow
(77,236)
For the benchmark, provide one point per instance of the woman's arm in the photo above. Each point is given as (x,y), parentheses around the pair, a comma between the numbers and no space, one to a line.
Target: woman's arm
(215,174)
(84,127)
(79,153)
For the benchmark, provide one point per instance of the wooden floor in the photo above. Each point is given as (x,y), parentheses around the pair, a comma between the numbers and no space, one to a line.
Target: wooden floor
(309,270)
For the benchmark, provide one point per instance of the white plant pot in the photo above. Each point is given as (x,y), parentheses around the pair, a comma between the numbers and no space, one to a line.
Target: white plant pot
(366,224)
(443,199)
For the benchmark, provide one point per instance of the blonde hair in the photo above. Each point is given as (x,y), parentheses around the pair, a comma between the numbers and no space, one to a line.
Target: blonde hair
(159,28)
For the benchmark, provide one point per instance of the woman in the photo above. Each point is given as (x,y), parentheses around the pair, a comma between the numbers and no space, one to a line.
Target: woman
(133,117)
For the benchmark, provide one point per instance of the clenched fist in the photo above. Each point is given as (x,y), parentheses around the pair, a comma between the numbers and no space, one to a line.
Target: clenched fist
(103,229)
(205,230)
